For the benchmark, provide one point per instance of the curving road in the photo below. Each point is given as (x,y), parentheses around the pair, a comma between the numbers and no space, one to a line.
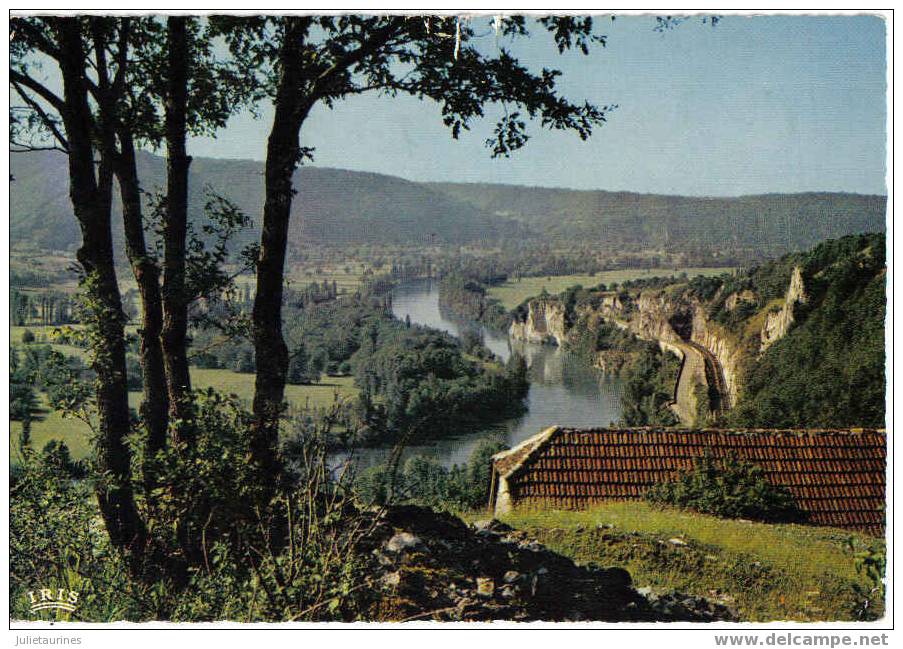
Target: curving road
(714,375)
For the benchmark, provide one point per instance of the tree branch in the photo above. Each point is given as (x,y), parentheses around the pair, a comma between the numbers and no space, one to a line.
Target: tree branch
(45,118)
(370,46)
(23,79)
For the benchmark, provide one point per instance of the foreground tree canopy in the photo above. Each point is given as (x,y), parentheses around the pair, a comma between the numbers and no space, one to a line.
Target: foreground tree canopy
(147,81)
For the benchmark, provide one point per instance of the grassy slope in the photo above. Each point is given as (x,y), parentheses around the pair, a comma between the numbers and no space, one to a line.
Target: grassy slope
(767,572)
(513,292)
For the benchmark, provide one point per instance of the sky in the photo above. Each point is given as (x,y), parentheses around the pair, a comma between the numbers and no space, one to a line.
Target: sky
(752,105)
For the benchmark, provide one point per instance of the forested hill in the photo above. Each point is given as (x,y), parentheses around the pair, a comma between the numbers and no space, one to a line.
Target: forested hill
(348,207)
(332,205)
(773,223)
(829,370)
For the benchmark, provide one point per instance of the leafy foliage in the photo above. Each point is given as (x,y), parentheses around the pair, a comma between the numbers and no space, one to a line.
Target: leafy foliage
(424,481)
(649,381)
(730,489)
(829,370)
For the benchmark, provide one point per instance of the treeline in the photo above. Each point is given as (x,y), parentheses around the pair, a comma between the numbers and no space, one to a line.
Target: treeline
(422,480)
(469,298)
(412,380)
(41,308)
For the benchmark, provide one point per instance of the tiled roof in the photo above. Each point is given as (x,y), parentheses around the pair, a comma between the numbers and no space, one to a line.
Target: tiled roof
(837,477)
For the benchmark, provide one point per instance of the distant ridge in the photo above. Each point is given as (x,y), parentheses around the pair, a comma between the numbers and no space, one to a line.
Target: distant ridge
(342,207)
(778,222)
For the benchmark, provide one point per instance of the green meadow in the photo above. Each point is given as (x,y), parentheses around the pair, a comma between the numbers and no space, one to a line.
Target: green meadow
(515,291)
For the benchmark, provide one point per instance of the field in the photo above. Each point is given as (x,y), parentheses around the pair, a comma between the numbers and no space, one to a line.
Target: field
(515,291)
(765,572)
(77,434)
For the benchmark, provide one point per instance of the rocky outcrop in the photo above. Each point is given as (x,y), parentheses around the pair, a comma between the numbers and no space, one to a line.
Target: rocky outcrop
(729,355)
(544,323)
(740,297)
(777,323)
(425,565)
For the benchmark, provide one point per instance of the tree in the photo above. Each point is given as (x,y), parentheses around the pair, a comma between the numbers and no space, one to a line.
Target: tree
(310,60)
(112,70)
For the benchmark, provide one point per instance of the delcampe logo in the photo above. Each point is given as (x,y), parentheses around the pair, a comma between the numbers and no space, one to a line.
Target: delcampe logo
(60,599)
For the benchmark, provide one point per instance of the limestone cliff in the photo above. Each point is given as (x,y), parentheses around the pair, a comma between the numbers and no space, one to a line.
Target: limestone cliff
(544,323)
(679,322)
(729,354)
(777,323)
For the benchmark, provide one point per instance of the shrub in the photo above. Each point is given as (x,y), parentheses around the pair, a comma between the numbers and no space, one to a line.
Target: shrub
(729,489)
(28,336)
(424,481)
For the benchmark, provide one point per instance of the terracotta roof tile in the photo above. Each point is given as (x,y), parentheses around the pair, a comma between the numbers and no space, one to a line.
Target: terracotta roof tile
(837,477)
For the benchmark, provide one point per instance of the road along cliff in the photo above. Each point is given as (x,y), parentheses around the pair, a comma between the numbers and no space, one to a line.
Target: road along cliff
(712,357)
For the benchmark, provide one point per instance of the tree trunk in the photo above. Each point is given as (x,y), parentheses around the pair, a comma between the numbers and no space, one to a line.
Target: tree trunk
(271,353)
(91,204)
(154,408)
(175,300)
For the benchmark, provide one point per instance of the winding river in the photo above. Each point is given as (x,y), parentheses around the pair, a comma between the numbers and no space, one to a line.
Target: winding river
(564,389)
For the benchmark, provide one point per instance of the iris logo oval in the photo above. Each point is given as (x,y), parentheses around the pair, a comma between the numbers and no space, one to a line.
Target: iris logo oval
(60,599)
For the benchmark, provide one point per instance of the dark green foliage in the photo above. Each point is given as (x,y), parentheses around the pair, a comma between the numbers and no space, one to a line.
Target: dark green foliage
(213,556)
(134,375)
(28,336)
(729,489)
(417,379)
(424,481)
(56,454)
(22,399)
(602,336)
(467,297)
(829,370)
(623,219)
(55,543)
(649,381)
(302,369)
(871,564)
(705,287)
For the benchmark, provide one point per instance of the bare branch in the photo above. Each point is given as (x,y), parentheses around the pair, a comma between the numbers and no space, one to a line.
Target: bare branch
(29,148)
(30,83)
(45,118)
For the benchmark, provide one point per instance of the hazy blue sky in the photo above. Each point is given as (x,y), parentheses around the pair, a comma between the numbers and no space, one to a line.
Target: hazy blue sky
(763,104)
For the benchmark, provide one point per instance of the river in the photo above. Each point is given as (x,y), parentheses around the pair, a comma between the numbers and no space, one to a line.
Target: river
(565,390)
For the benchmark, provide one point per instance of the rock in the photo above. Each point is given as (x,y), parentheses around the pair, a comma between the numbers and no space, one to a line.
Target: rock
(677,541)
(616,576)
(403,541)
(508,592)
(485,586)
(511,576)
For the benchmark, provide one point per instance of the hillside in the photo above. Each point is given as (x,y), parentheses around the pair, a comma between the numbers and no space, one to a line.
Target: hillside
(797,342)
(332,205)
(343,207)
(771,223)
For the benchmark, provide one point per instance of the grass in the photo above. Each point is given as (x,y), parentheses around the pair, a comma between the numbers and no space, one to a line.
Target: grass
(513,292)
(50,424)
(766,572)
(317,395)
